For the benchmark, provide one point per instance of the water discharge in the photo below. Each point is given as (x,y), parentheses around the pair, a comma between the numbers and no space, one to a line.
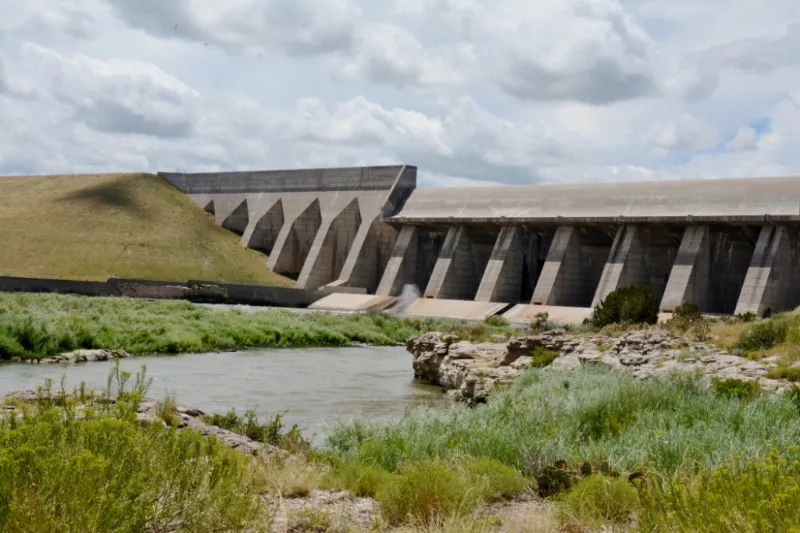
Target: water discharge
(314,387)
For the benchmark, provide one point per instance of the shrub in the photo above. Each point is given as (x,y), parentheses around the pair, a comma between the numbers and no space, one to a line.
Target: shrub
(599,500)
(497,321)
(425,493)
(763,335)
(542,357)
(270,433)
(629,305)
(789,373)
(167,411)
(362,479)
(761,495)
(494,480)
(103,471)
(736,388)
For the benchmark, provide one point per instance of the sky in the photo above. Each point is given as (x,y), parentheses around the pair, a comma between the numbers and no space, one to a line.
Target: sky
(472,92)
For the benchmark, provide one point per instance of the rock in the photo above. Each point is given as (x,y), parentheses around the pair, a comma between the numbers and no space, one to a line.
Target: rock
(471,371)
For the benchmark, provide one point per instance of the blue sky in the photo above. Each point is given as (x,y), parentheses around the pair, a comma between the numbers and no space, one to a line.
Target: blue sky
(472,92)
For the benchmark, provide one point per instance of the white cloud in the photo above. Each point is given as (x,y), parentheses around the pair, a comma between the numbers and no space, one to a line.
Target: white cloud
(296,27)
(470,92)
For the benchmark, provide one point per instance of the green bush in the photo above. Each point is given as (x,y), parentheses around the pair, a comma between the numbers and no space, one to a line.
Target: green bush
(598,500)
(763,335)
(626,305)
(542,357)
(272,432)
(496,321)
(494,480)
(362,479)
(425,493)
(761,495)
(737,388)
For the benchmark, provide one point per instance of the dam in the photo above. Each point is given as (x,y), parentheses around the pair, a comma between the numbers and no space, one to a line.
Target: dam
(731,246)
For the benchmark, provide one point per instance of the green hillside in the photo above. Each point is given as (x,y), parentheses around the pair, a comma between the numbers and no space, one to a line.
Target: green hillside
(90,227)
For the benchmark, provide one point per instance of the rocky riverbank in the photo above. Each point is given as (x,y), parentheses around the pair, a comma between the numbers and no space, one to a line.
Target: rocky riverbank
(469,371)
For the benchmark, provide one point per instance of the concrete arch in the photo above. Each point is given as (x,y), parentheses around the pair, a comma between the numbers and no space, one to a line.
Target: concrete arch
(238,220)
(299,239)
(331,248)
(265,233)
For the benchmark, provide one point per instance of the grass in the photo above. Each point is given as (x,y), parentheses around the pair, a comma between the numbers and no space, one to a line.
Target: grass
(37,325)
(670,424)
(89,465)
(665,451)
(90,227)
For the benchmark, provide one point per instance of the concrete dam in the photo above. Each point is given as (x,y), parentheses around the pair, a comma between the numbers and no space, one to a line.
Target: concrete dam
(731,246)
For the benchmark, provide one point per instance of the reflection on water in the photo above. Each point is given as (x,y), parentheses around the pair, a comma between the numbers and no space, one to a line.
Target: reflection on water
(314,387)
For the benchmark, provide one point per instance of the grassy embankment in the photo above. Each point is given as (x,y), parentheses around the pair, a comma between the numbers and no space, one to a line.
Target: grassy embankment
(36,325)
(90,227)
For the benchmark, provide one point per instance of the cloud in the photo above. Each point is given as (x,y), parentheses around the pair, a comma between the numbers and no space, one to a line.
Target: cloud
(684,133)
(295,27)
(470,92)
(746,139)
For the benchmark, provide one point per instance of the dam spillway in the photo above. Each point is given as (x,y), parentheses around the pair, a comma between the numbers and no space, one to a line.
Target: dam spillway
(731,246)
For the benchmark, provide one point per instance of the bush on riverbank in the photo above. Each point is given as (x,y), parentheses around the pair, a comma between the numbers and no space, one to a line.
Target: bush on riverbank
(38,325)
(66,466)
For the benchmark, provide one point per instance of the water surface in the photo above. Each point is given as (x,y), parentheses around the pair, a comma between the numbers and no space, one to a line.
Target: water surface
(315,387)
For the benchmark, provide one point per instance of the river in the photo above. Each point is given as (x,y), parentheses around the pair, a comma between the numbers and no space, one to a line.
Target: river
(314,387)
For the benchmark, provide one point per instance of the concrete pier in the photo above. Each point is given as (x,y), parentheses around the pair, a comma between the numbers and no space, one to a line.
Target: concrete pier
(727,245)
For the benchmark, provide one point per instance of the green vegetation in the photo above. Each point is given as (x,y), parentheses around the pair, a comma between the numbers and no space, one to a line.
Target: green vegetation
(601,445)
(759,495)
(91,227)
(542,357)
(86,464)
(626,305)
(271,432)
(38,325)
(606,450)
(598,500)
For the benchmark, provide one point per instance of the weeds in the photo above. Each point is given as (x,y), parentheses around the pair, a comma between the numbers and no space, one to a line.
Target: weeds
(272,432)
(599,500)
(66,466)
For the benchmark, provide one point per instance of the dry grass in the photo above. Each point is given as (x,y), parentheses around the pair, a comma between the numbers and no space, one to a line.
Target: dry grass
(289,477)
(90,227)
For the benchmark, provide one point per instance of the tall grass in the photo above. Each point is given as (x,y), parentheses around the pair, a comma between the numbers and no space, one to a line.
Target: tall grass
(668,424)
(36,325)
(92,467)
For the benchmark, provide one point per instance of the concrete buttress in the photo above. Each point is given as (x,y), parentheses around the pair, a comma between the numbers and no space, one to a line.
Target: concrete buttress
(773,279)
(689,279)
(402,264)
(502,279)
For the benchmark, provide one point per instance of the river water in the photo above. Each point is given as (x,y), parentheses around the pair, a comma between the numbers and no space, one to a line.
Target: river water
(314,387)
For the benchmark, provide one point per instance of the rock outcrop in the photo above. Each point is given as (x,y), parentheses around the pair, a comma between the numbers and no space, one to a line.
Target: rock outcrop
(81,356)
(470,371)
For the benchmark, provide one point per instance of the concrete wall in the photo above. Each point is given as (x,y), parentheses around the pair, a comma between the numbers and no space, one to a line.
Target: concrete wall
(196,290)
(725,245)
(321,227)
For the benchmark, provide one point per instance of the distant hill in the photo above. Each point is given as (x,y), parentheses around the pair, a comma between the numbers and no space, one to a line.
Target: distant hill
(90,227)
